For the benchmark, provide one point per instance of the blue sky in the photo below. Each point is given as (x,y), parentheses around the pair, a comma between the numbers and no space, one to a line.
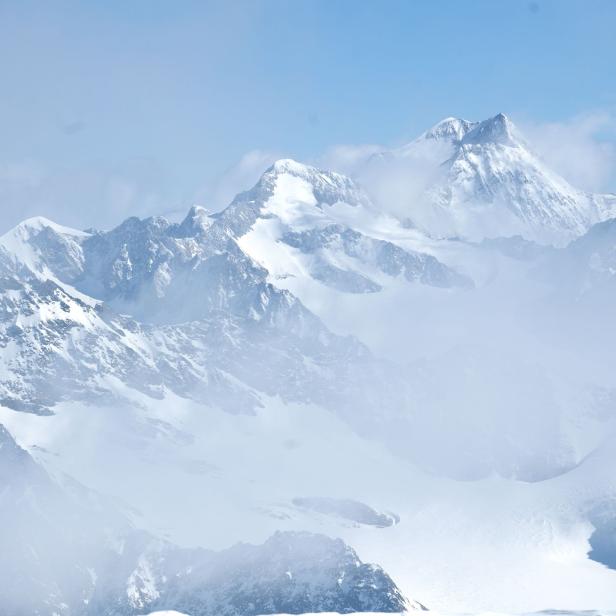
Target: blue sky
(112,107)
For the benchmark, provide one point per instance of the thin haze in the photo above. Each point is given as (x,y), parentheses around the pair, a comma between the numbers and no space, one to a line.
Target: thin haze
(308,353)
(115,109)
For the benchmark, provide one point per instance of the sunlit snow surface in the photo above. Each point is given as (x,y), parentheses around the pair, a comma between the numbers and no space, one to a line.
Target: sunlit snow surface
(509,369)
(240,474)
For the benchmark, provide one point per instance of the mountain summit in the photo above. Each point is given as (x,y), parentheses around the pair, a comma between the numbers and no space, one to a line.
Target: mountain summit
(498,129)
(482,179)
(449,128)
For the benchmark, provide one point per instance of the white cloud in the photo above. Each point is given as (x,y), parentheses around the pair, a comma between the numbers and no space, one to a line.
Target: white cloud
(581,149)
(80,197)
(241,176)
(347,159)
(393,183)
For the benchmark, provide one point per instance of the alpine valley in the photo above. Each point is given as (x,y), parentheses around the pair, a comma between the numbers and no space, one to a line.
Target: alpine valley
(382,393)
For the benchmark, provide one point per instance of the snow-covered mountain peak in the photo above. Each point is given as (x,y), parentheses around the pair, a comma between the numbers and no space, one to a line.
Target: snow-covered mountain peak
(153,224)
(196,222)
(289,165)
(301,222)
(449,129)
(31,227)
(38,223)
(481,180)
(497,130)
(294,195)
(24,242)
(327,187)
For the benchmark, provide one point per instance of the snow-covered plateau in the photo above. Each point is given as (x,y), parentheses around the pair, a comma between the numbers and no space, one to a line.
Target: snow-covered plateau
(379,394)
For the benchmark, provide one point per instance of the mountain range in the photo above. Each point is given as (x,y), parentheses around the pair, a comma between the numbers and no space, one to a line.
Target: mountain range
(325,357)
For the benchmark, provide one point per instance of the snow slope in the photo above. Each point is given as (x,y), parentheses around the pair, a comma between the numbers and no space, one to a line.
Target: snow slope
(310,224)
(303,361)
(481,179)
(66,550)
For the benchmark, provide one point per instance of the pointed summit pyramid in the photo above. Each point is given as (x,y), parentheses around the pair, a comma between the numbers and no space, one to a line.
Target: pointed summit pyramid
(498,129)
(482,179)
